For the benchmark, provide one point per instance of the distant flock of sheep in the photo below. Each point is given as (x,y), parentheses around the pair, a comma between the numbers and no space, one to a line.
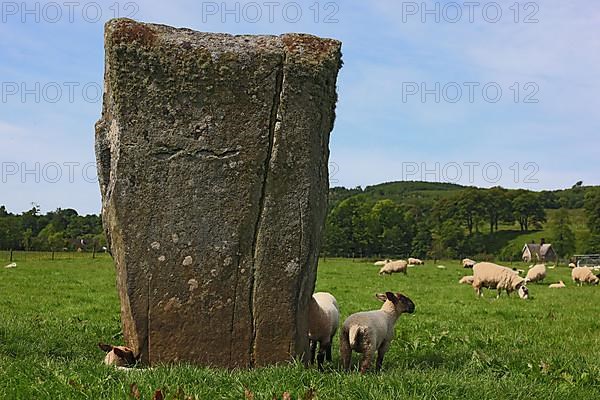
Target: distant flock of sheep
(371,332)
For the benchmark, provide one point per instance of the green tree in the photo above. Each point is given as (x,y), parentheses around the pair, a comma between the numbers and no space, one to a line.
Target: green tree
(470,208)
(592,210)
(561,235)
(528,210)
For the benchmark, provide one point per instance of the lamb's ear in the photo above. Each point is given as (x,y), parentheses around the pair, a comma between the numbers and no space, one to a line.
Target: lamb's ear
(391,297)
(120,353)
(381,297)
(105,347)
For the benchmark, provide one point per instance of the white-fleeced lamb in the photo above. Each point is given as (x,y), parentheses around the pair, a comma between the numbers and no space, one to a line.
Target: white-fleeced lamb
(394,267)
(558,285)
(415,261)
(381,262)
(581,275)
(372,331)
(466,280)
(11,265)
(537,273)
(323,321)
(468,263)
(493,276)
(118,356)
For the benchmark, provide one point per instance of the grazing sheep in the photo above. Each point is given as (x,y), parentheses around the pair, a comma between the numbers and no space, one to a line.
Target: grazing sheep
(581,275)
(536,274)
(493,276)
(558,285)
(381,263)
(11,265)
(466,279)
(415,261)
(372,331)
(323,321)
(468,263)
(119,356)
(572,265)
(394,267)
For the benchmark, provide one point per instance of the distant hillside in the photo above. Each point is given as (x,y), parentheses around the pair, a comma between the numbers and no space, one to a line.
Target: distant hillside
(408,191)
(428,218)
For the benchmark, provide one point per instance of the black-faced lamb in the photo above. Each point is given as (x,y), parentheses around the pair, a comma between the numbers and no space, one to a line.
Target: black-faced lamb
(118,356)
(323,321)
(372,331)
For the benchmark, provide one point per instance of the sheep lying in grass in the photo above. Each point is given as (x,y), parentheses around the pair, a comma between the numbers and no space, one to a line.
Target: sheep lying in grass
(581,275)
(372,331)
(466,279)
(381,263)
(468,263)
(415,261)
(119,356)
(536,274)
(323,321)
(558,285)
(394,267)
(493,276)
(11,265)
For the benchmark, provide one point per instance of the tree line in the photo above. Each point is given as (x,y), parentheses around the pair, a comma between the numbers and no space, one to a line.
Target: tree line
(62,229)
(453,224)
(399,219)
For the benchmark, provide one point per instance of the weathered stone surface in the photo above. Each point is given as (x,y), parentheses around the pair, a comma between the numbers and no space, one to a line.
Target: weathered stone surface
(212,155)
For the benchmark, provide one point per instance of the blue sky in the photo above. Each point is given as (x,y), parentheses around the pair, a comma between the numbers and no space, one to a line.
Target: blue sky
(541,133)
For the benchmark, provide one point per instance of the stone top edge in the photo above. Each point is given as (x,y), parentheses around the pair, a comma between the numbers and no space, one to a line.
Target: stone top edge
(125,30)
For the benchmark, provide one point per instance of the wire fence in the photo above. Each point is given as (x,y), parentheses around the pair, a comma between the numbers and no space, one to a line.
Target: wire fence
(18,255)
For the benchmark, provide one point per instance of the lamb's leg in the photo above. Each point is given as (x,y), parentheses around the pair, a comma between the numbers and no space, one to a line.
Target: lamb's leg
(328,350)
(380,353)
(365,362)
(321,356)
(313,350)
(345,350)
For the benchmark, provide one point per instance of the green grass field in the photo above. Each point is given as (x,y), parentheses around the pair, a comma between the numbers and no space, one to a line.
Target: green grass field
(53,313)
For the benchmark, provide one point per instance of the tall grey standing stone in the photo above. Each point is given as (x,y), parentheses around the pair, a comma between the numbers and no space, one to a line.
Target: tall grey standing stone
(212,156)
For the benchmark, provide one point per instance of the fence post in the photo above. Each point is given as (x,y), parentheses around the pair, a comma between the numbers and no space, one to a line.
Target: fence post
(11,255)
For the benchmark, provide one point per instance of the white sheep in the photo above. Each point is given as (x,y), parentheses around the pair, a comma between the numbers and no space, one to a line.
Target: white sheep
(466,279)
(468,263)
(372,331)
(493,276)
(536,273)
(394,267)
(572,265)
(323,321)
(581,275)
(119,356)
(558,285)
(382,262)
(415,261)
(11,265)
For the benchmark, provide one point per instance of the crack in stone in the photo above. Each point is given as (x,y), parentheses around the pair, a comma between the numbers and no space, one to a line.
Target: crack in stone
(172,153)
(272,124)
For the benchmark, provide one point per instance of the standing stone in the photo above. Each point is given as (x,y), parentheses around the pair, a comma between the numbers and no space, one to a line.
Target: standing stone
(212,156)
